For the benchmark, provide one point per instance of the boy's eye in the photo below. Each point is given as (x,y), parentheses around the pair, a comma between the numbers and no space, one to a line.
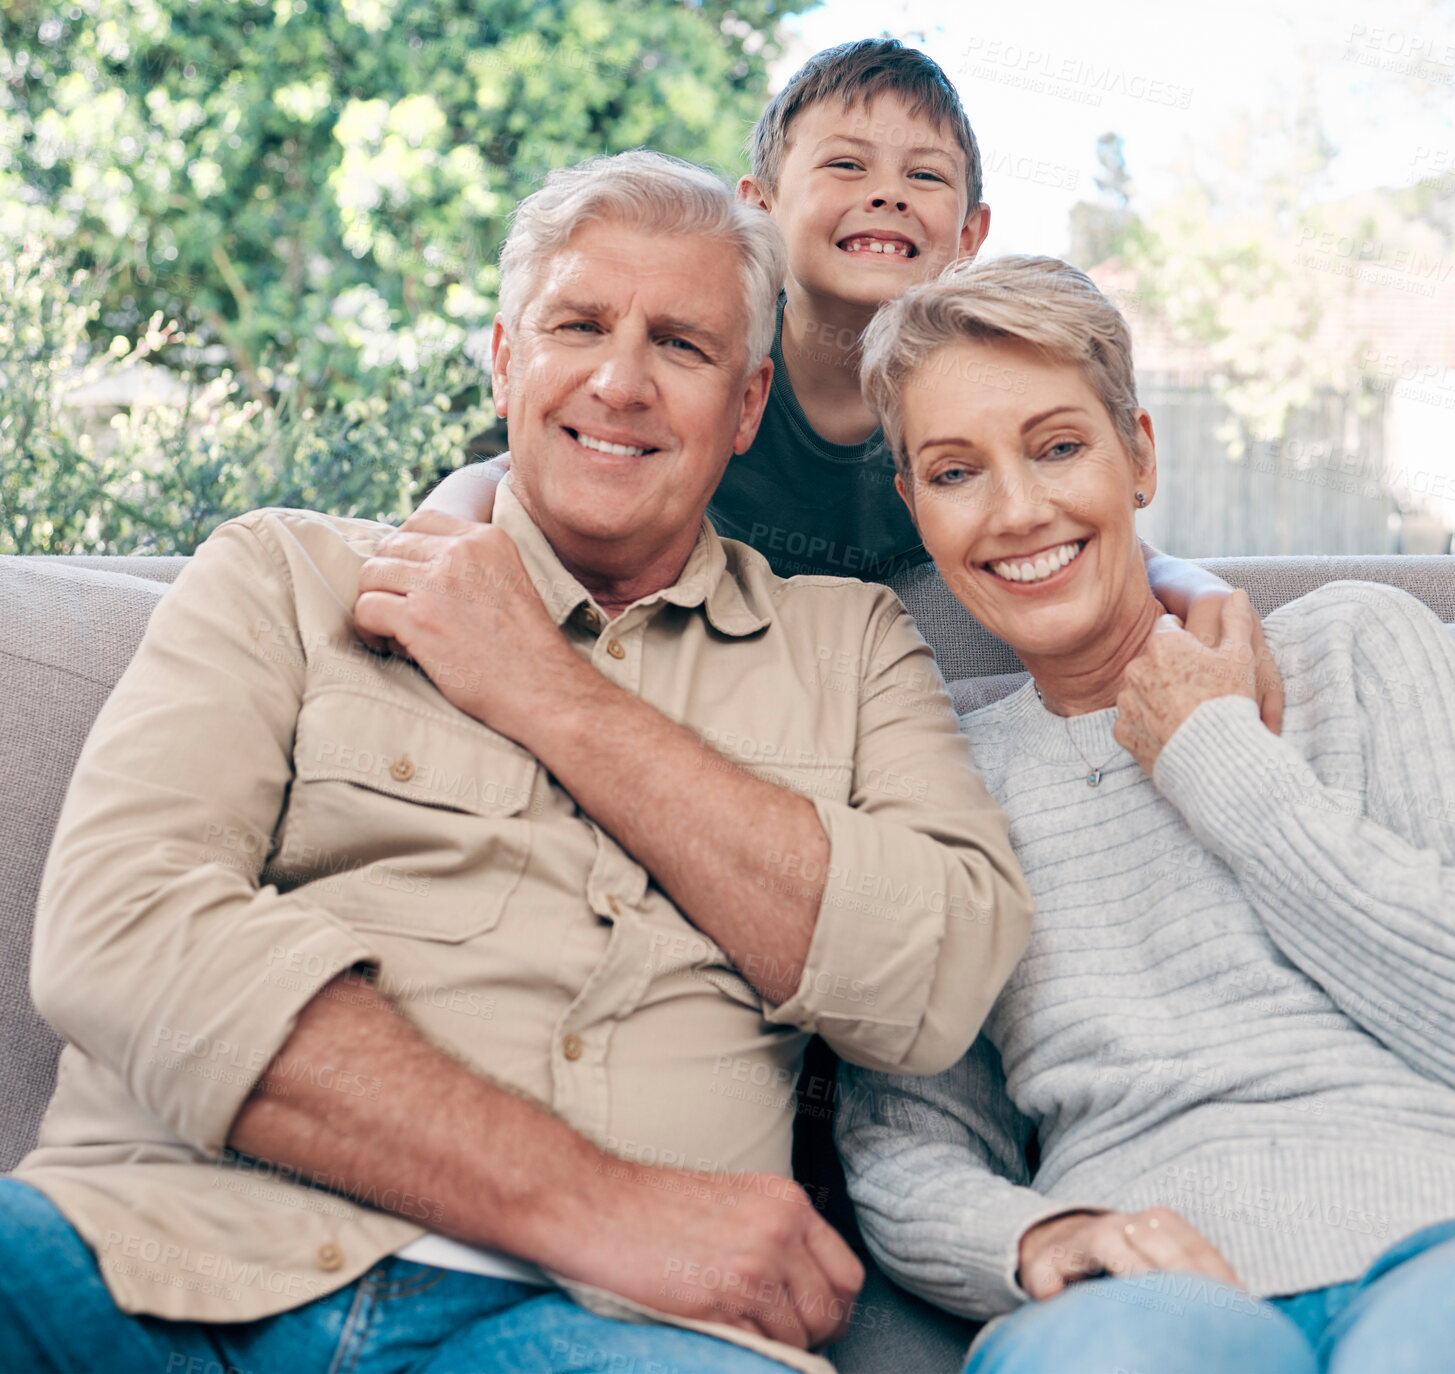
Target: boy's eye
(927,175)
(851,164)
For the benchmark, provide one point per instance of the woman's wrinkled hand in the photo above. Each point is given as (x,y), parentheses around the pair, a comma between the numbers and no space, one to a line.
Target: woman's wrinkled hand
(1087,1245)
(1176,672)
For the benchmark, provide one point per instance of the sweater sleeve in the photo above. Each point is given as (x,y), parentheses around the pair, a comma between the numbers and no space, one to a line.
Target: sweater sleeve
(1349,860)
(936,1167)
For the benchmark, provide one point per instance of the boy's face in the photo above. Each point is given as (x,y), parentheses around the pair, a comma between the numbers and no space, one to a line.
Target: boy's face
(871,200)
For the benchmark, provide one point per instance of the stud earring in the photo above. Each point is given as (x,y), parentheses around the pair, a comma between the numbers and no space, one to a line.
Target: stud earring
(1141,498)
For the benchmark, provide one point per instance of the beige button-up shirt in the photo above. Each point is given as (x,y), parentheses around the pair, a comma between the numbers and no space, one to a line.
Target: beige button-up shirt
(263,803)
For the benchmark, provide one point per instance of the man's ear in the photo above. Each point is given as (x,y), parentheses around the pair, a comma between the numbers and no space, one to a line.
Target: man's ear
(751,190)
(977,226)
(755,397)
(499,367)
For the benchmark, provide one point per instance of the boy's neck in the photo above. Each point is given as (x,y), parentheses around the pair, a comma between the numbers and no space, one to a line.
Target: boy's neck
(820,343)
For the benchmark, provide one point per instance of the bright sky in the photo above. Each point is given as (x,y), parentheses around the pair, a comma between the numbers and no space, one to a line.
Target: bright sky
(1042,81)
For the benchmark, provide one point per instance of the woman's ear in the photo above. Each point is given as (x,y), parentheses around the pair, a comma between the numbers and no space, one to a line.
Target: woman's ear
(905,490)
(1145,456)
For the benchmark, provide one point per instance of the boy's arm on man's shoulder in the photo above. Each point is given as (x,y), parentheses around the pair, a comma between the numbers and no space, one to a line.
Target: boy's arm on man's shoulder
(468,493)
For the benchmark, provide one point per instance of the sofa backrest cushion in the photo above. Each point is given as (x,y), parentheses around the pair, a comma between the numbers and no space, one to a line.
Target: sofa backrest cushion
(66,634)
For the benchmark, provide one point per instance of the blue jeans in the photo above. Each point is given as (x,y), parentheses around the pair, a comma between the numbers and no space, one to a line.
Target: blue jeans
(57,1317)
(1398,1319)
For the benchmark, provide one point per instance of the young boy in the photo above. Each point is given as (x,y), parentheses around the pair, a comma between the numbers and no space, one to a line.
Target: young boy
(868,164)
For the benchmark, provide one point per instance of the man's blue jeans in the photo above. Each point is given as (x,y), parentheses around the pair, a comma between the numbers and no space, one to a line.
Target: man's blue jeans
(1398,1319)
(56,1317)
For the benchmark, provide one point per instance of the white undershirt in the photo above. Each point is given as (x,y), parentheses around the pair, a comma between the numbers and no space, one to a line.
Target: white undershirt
(440,1252)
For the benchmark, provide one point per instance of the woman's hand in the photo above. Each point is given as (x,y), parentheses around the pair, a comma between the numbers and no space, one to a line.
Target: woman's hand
(1087,1245)
(1176,672)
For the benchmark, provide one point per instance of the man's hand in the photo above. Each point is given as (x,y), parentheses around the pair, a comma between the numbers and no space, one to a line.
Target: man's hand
(1085,1245)
(1175,673)
(455,597)
(747,1250)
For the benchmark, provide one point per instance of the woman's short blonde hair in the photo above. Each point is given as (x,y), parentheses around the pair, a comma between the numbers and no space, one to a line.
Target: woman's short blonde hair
(1043,302)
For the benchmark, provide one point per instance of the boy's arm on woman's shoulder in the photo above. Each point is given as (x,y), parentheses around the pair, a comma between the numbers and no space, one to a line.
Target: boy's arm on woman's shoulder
(1195,596)
(468,493)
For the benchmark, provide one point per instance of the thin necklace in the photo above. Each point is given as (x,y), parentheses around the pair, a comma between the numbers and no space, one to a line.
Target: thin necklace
(1093,778)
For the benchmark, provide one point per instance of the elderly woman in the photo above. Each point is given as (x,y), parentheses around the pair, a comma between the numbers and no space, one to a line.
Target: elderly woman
(1208,1126)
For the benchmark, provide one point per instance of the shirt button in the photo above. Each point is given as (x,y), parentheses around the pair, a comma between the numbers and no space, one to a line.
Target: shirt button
(329,1257)
(402,769)
(613,906)
(615,649)
(590,619)
(571,1047)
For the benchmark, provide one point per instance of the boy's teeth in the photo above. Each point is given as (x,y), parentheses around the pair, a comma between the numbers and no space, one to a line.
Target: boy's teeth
(878,246)
(601,446)
(1040,568)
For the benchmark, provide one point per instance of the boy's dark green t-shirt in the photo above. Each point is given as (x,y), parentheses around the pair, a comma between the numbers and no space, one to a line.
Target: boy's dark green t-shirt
(810,506)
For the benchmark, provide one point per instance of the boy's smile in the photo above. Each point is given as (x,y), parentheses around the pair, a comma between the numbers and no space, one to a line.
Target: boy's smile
(871,199)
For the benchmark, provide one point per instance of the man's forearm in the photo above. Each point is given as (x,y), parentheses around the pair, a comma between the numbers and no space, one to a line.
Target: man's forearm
(501,1171)
(697,822)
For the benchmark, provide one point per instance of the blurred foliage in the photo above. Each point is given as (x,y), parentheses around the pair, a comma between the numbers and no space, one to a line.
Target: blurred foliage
(317,193)
(328,179)
(1278,290)
(164,473)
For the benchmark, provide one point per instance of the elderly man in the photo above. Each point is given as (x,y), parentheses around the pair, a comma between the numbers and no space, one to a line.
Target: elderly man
(438,1007)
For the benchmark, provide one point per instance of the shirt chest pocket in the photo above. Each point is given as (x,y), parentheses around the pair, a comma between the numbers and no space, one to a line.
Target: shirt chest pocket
(401,821)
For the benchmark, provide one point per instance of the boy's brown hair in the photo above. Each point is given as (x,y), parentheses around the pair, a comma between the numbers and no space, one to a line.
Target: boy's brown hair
(856,73)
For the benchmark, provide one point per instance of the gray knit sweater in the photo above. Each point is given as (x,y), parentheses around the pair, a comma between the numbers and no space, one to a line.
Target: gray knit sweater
(1239,995)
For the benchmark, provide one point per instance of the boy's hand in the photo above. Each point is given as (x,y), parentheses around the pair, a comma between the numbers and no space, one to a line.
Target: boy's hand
(468,493)
(1084,1245)
(1197,597)
(1175,673)
(1204,621)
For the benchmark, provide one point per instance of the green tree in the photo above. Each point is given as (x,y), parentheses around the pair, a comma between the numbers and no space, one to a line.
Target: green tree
(326,184)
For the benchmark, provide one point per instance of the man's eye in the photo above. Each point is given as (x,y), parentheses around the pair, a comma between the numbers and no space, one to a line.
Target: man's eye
(683,345)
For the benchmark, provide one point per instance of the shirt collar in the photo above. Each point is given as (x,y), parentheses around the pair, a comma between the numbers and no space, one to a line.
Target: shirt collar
(705,581)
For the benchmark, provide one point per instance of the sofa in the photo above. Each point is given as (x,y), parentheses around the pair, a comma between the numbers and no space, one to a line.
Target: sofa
(68,627)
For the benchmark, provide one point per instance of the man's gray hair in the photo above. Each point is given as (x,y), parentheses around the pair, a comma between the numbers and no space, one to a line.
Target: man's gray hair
(1043,302)
(656,193)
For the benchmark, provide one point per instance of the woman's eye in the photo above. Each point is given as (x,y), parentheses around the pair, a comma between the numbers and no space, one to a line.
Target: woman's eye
(1067,448)
(951,477)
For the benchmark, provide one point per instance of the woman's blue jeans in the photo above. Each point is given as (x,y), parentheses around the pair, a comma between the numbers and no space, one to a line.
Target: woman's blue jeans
(57,1317)
(1398,1319)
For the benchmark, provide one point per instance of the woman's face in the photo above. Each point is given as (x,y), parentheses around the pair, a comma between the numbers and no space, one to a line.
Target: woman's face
(1024,494)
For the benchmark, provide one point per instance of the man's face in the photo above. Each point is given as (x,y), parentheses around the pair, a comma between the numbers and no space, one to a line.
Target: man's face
(625,392)
(871,200)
